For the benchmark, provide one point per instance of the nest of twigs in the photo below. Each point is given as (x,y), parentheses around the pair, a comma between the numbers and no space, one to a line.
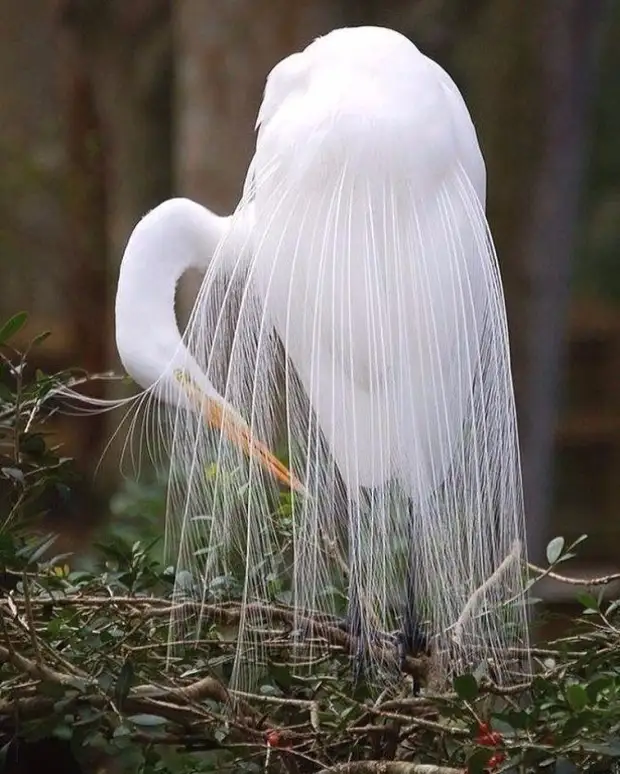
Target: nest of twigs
(85,658)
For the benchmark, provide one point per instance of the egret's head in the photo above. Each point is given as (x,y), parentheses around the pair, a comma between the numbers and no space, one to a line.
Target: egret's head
(372,51)
(343,60)
(362,98)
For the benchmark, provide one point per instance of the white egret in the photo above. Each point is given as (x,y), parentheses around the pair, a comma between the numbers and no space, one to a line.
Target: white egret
(351,307)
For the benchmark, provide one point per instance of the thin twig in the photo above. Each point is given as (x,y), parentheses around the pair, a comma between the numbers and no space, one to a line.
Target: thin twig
(29,622)
(473,601)
(388,767)
(279,700)
(41,671)
(429,725)
(602,580)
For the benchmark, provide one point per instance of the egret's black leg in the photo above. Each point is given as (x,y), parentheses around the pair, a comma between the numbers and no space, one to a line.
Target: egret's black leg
(412,639)
(413,636)
(352,625)
(353,619)
(354,629)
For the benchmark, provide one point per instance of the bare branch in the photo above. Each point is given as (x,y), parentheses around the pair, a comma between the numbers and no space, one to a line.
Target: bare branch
(388,767)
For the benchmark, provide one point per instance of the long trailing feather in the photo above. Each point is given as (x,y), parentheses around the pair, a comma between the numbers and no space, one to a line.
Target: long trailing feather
(366,302)
(353,313)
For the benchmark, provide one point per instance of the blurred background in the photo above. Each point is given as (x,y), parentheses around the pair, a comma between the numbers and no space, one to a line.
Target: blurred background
(110,106)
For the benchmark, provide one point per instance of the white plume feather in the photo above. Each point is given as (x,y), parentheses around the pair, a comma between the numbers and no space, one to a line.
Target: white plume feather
(353,308)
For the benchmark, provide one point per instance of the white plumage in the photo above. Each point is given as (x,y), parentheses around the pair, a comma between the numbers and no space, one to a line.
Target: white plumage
(352,306)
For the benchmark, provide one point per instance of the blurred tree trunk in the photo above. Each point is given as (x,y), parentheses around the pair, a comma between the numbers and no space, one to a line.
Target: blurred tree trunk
(120,69)
(529,74)
(569,45)
(126,54)
(223,53)
(84,269)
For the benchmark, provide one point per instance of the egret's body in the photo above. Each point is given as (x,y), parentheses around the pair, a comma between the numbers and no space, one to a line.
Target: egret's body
(352,305)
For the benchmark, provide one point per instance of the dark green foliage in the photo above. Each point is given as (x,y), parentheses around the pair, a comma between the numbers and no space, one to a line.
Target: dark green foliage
(85,662)
(33,474)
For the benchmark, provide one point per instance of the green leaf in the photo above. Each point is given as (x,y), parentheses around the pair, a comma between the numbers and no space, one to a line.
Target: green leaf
(12,326)
(577,542)
(466,687)
(611,750)
(52,690)
(515,720)
(577,697)
(13,473)
(554,549)
(477,763)
(147,720)
(612,607)
(44,545)
(40,338)
(64,732)
(598,685)
(588,601)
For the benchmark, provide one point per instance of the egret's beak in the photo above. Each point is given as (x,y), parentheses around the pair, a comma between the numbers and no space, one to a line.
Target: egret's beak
(236,430)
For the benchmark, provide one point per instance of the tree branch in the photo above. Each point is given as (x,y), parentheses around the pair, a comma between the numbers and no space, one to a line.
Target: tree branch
(389,767)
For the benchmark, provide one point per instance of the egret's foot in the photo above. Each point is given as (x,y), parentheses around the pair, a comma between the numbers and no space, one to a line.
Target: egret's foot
(351,624)
(411,641)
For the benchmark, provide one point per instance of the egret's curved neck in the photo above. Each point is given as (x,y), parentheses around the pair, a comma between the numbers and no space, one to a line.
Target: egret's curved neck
(176,236)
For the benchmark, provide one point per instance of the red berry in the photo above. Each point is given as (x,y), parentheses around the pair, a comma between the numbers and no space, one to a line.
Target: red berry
(274,739)
(496,760)
(486,737)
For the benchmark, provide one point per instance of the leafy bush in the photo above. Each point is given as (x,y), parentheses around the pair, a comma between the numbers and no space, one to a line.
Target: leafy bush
(29,468)
(85,660)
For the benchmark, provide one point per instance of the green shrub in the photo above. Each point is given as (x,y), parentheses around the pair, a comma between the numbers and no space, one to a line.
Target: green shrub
(84,656)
